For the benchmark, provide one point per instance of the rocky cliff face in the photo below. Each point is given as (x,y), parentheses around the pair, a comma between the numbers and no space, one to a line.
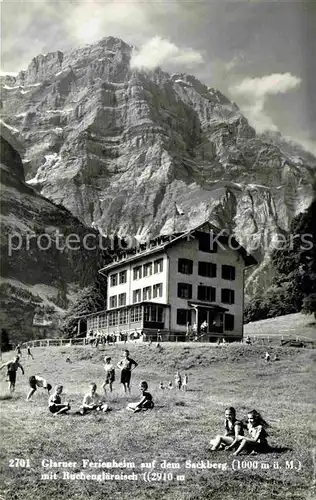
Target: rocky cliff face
(117,147)
(37,273)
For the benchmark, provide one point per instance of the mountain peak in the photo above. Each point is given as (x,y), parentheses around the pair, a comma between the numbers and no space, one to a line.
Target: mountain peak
(118,147)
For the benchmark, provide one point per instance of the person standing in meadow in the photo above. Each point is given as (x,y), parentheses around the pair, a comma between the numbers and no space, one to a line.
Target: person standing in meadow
(29,354)
(109,374)
(185,380)
(178,380)
(126,365)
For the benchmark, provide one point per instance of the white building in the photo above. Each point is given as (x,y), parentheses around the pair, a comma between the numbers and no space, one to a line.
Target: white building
(187,285)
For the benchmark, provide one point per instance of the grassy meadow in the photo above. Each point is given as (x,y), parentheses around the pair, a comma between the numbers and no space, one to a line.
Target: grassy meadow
(290,326)
(176,430)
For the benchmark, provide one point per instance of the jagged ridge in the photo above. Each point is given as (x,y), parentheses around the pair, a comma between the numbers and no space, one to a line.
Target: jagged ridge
(118,146)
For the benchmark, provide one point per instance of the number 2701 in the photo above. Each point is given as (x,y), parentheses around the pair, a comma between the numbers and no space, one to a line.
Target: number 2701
(19,462)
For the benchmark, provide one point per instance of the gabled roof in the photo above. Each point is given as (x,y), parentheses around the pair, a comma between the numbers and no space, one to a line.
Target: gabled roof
(161,243)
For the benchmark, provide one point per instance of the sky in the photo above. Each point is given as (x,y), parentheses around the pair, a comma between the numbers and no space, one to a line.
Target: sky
(260,53)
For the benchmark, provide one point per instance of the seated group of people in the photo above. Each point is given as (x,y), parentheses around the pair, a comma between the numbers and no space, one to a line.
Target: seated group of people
(93,401)
(234,438)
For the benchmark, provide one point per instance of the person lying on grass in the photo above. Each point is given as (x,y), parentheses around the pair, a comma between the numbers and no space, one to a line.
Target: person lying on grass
(92,401)
(54,403)
(233,429)
(146,403)
(36,381)
(257,440)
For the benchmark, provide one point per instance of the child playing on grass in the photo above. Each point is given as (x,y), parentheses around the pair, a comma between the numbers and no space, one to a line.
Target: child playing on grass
(257,442)
(29,354)
(109,374)
(233,429)
(36,381)
(146,403)
(12,368)
(54,403)
(178,380)
(92,401)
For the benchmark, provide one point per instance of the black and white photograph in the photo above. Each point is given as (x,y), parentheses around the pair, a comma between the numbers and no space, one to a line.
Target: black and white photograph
(158,250)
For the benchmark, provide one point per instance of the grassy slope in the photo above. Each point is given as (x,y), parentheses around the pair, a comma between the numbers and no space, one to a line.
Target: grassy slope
(179,427)
(291,325)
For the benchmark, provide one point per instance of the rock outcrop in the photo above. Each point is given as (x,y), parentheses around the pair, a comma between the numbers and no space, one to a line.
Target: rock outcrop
(40,269)
(118,147)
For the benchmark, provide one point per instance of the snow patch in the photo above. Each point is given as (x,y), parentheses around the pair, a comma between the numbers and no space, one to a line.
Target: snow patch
(255,186)
(183,81)
(34,181)
(9,73)
(59,111)
(7,87)
(40,175)
(49,158)
(13,129)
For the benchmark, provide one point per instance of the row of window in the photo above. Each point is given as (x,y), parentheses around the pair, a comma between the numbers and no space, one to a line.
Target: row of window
(152,313)
(147,293)
(117,300)
(138,272)
(207,269)
(184,317)
(206,293)
(147,269)
(185,266)
(118,278)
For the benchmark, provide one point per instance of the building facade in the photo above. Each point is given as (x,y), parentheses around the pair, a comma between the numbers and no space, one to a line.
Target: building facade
(188,286)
